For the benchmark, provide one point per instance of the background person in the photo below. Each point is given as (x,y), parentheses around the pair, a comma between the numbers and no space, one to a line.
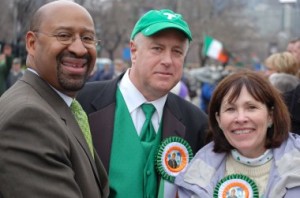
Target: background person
(15,73)
(284,82)
(94,75)
(283,62)
(43,152)
(106,73)
(119,67)
(208,77)
(292,100)
(181,90)
(294,48)
(283,71)
(159,44)
(249,128)
(5,65)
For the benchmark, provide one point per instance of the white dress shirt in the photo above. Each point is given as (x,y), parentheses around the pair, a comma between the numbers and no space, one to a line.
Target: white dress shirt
(134,99)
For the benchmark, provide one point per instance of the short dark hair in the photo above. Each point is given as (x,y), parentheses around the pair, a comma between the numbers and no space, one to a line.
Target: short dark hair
(294,40)
(36,21)
(263,91)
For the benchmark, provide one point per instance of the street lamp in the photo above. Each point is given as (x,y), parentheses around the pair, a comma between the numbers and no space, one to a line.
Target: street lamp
(288,1)
(287,15)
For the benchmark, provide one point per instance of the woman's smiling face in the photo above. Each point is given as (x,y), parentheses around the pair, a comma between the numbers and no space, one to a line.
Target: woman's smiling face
(244,123)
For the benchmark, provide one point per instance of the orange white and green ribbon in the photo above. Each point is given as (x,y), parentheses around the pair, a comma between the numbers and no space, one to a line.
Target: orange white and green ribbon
(172,157)
(236,185)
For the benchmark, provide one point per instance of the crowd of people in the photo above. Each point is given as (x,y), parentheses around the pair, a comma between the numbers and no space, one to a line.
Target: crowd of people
(68,129)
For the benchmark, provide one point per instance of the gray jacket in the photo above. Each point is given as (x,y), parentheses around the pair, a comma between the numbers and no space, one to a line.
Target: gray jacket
(208,168)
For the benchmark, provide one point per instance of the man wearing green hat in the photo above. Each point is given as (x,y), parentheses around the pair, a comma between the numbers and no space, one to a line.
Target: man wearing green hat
(159,44)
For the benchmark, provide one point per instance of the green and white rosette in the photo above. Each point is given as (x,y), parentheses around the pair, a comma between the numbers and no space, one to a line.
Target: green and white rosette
(236,185)
(172,157)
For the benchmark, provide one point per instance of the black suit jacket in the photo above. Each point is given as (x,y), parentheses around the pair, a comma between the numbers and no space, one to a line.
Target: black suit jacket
(43,153)
(180,117)
(292,100)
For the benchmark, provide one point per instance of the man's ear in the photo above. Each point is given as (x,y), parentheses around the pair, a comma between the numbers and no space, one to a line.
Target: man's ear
(133,50)
(30,42)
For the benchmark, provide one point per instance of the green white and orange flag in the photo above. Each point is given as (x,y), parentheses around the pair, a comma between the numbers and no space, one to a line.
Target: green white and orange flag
(214,49)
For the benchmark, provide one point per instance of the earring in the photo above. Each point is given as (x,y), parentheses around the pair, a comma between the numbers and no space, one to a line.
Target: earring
(270,125)
(220,127)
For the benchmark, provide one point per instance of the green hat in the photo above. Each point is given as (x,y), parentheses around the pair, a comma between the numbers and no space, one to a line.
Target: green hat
(157,20)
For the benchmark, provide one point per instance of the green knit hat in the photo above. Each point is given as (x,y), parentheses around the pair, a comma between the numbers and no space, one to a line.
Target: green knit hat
(156,20)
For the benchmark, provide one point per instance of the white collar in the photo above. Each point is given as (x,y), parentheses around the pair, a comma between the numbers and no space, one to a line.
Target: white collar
(134,98)
(264,158)
(68,100)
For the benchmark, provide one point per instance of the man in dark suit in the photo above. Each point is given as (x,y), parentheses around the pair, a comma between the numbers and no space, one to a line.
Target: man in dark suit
(159,44)
(172,161)
(43,152)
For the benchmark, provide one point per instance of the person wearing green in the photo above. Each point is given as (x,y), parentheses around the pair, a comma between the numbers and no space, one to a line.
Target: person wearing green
(5,65)
(118,109)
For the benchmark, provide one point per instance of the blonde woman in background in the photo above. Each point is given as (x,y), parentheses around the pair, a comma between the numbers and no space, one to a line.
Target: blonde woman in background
(282,69)
(283,62)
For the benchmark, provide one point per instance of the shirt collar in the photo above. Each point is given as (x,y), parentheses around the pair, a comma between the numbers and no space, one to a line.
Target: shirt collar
(68,100)
(134,98)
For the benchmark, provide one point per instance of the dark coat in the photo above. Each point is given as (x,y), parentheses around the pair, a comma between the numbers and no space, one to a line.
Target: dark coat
(292,99)
(43,152)
(180,117)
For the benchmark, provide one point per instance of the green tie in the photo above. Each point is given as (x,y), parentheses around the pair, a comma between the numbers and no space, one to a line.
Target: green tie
(82,120)
(148,133)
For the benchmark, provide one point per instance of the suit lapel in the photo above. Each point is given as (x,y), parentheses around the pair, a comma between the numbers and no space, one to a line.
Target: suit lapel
(102,120)
(171,120)
(63,111)
(102,123)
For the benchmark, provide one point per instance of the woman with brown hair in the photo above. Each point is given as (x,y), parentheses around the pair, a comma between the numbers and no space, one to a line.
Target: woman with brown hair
(251,149)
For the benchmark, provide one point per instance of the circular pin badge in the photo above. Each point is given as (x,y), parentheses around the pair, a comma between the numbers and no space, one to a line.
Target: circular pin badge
(236,185)
(173,156)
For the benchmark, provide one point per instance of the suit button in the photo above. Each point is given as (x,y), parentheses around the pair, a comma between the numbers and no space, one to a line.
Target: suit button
(148,173)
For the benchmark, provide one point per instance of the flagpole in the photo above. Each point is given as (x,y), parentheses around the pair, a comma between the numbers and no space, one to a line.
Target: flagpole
(203,57)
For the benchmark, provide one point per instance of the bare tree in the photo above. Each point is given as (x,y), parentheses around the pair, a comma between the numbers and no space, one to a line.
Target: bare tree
(227,20)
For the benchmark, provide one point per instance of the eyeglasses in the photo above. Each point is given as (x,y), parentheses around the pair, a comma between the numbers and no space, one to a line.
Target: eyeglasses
(67,38)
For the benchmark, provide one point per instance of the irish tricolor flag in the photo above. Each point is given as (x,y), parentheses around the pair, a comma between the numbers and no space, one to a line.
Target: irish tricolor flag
(214,49)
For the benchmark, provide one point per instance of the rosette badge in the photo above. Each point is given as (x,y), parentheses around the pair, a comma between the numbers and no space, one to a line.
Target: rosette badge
(236,185)
(172,157)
